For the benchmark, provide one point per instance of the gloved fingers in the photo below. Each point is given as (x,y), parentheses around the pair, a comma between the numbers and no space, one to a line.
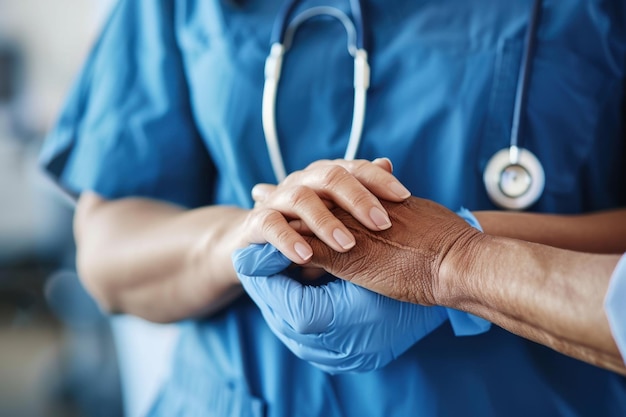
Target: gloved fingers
(314,349)
(294,330)
(327,360)
(304,309)
(266,300)
(318,355)
(259,260)
(358,363)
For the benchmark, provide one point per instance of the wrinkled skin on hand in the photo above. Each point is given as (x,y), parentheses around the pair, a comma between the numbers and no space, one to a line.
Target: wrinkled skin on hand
(403,262)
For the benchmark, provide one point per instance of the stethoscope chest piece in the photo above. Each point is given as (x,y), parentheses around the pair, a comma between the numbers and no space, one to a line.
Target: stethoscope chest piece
(514,181)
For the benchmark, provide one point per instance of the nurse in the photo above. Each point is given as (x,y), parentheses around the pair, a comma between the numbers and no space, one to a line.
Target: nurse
(162,140)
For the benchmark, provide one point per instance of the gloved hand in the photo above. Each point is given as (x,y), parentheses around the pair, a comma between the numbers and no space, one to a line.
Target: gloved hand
(338,326)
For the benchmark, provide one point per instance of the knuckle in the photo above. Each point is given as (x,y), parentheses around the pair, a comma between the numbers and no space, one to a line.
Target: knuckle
(274,228)
(333,175)
(291,178)
(282,237)
(358,165)
(266,219)
(324,221)
(361,198)
(299,196)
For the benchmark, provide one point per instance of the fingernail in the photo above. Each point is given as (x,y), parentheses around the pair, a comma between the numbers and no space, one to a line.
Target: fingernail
(343,239)
(399,190)
(380,218)
(303,250)
(258,193)
(385,159)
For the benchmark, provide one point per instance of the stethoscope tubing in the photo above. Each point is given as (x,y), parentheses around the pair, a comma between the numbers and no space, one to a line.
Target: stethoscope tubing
(286,11)
(523,82)
(500,165)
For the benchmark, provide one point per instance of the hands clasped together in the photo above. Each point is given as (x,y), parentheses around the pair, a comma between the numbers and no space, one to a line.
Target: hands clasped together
(356,221)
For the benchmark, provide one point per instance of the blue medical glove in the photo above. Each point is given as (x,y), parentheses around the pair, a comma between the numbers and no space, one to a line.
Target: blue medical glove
(466,324)
(338,326)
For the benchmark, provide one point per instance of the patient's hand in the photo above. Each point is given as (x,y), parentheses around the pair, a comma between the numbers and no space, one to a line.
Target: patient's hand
(404,261)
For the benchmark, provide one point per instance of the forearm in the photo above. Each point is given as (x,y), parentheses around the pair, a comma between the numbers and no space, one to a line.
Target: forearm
(601,232)
(158,261)
(552,296)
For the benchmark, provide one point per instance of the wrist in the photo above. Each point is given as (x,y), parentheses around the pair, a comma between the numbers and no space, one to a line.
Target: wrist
(210,254)
(470,218)
(460,268)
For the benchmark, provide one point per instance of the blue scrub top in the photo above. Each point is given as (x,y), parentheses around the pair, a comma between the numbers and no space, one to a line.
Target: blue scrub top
(168,106)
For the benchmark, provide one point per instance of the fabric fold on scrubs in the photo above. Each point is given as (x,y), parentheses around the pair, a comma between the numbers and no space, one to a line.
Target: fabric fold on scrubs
(615,305)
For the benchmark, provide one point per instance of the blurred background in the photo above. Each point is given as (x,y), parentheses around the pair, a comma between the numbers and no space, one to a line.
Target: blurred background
(57,356)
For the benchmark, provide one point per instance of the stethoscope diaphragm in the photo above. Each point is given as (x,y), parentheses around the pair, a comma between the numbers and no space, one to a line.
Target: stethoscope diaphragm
(514,183)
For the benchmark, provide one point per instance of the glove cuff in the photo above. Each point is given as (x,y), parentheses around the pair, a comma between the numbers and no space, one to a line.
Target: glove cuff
(467,215)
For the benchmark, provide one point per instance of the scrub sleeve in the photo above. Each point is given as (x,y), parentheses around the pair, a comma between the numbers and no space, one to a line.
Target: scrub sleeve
(615,305)
(129,132)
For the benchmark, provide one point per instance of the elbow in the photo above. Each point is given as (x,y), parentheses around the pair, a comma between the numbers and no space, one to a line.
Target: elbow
(89,259)
(92,279)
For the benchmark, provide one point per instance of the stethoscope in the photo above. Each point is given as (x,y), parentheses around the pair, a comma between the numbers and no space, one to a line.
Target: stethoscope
(513,177)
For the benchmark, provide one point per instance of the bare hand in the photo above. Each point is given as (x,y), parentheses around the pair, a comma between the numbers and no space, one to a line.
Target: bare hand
(302,204)
(404,261)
